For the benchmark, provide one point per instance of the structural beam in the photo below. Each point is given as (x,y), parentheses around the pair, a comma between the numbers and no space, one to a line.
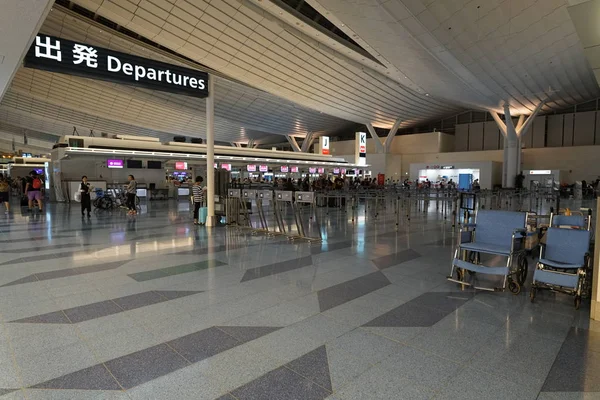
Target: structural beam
(391,134)
(308,141)
(499,122)
(379,147)
(292,141)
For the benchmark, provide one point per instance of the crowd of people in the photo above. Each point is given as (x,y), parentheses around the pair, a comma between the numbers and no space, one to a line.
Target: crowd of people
(30,189)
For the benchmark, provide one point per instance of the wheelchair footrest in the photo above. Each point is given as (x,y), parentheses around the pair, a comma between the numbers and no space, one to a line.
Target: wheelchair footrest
(503,271)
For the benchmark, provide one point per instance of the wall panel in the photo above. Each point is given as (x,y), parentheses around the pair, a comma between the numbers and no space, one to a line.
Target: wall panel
(568,129)
(583,134)
(491,136)
(555,131)
(539,132)
(476,136)
(527,138)
(461,140)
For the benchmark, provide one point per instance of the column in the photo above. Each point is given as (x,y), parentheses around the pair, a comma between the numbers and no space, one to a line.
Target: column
(210,152)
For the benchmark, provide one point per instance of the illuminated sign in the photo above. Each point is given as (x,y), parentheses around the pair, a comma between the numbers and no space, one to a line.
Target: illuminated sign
(343,171)
(263,168)
(251,168)
(226,167)
(360,154)
(294,169)
(321,170)
(447,166)
(285,168)
(324,144)
(66,57)
(312,170)
(540,172)
(336,171)
(114,163)
(181,165)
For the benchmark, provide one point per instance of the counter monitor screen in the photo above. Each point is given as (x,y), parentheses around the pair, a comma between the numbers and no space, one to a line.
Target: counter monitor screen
(321,170)
(154,165)
(263,168)
(226,167)
(294,169)
(180,165)
(134,164)
(114,163)
(312,170)
(336,171)
(285,168)
(251,168)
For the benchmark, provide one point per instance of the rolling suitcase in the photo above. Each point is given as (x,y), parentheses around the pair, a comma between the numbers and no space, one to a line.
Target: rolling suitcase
(24,201)
(202,214)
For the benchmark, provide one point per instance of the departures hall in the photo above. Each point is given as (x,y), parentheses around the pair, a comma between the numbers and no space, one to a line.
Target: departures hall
(299,199)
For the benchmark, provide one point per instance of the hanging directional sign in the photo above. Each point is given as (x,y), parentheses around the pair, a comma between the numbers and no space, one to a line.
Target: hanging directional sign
(66,57)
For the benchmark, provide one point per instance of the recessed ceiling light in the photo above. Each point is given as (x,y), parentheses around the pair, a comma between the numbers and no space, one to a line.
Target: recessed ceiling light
(426,94)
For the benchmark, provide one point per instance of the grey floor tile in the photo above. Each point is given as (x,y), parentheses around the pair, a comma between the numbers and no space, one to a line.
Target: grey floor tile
(390,260)
(226,397)
(57,317)
(142,366)
(313,366)
(327,247)
(276,268)
(6,391)
(200,345)
(339,294)
(471,384)
(577,365)
(442,301)
(568,396)
(92,311)
(93,378)
(139,300)
(281,383)
(408,315)
(246,334)
(176,294)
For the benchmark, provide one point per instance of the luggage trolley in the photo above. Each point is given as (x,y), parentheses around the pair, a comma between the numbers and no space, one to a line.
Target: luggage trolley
(500,233)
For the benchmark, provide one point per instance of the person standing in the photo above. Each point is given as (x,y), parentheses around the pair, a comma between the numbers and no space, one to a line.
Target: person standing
(131,192)
(198,197)
(86,201)
(5,193)
(33,190)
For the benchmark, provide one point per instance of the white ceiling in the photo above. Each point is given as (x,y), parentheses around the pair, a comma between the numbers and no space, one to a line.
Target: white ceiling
(436,58)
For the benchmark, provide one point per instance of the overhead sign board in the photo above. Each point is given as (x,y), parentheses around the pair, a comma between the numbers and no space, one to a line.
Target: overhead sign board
(361,148)
(540,172)
(324,144)
(181,165)
(263,168)
(294,169)
(53,54)
(114,163)
(285,168)
(251,168)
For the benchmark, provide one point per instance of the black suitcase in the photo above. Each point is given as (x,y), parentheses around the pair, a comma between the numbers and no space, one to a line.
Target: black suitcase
(24,201)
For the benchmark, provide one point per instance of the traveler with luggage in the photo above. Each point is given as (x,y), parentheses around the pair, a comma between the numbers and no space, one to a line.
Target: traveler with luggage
(33,190)
(198,198)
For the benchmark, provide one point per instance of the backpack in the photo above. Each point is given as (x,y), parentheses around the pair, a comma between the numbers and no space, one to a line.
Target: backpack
(37,183)
(4,186)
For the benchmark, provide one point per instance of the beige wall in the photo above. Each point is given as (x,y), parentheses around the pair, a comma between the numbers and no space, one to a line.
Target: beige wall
(433,142)
(436,148)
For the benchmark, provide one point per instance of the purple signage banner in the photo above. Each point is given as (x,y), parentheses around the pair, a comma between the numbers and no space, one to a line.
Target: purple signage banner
(114,163)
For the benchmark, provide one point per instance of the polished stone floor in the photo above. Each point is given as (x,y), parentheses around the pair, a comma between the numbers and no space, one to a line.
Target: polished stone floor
(153,307)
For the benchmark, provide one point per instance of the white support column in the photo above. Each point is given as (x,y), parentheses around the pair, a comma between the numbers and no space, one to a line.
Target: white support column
(292,141)
(512,141)
(378,145)
(387,145)
(210,152)
(308,141)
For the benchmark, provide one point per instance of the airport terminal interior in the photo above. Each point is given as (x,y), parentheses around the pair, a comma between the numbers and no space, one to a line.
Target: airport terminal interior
(299,199)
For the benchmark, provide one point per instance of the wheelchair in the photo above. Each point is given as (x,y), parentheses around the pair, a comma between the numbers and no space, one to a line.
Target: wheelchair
(564,261)
(500,233)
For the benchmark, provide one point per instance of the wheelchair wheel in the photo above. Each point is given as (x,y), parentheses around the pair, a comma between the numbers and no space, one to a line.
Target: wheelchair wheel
(514,287)
(522,267)
(577,302)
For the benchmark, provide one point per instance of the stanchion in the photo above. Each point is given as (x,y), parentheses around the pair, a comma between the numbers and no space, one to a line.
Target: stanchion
(232,210)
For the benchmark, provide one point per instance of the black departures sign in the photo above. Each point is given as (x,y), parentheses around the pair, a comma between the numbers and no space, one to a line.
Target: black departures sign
(66,57)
